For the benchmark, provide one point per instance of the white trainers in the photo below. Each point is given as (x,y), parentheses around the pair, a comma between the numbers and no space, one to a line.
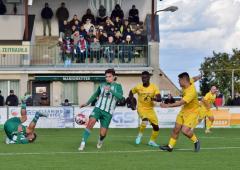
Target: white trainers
(138,139)
(99,144)
(82,146)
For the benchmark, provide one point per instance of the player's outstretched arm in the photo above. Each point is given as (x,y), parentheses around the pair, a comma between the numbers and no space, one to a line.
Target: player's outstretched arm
(176,104)
(198,77)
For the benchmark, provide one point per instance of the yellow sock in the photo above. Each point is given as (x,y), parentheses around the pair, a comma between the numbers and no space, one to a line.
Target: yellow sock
(194,138)
(154,135)
(172,142)
(142,128)
(208,124)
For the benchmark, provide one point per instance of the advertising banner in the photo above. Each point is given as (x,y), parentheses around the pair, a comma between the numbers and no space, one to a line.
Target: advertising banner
(3,116)
(58,117)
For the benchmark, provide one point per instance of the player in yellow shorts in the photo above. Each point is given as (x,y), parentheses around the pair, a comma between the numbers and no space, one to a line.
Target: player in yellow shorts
(147,94)
(205,109)
(188,115)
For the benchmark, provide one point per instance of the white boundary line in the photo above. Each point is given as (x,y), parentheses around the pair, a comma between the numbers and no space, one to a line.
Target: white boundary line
(110,152)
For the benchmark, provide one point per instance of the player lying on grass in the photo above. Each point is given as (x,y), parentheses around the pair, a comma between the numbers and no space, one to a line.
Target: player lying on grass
(108,93)
(188,115)
(147,94)
(16,132)
(205,108)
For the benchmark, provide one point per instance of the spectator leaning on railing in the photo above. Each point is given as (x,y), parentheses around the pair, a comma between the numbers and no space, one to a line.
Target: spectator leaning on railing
(109,51)
(81,50)
(68,48)
(127,49)
(47,15)
(95,50)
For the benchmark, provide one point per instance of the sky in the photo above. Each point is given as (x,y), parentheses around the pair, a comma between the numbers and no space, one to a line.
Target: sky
(194,31)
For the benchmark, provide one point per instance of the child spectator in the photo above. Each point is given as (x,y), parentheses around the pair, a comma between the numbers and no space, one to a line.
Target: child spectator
(127,49)
(88,25)
(68,49)
(81,50)
(95,50)
(109,50)
(82,31)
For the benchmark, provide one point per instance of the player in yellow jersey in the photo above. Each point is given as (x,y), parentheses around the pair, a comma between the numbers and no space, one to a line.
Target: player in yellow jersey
(188,115)
(147,94)
(205,109)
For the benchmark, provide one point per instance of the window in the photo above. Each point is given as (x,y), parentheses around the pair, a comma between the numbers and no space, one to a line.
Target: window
(7,85)
(70,92)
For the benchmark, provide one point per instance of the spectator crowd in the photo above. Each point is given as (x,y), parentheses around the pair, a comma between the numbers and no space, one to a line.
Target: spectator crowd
(97,37)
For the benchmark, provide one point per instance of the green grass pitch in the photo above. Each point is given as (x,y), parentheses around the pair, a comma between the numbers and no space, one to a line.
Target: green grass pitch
(56,149)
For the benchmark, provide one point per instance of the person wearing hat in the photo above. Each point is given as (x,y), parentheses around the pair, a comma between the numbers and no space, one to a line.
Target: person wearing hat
(12,99)
(1,99)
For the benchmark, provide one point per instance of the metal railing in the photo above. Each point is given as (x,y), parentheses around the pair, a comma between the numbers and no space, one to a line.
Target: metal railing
(55,55)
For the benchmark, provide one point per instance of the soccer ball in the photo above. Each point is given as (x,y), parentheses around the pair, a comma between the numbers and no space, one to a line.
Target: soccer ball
(80,119)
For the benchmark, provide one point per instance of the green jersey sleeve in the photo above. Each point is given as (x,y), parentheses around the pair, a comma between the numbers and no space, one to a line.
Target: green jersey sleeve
(118,93)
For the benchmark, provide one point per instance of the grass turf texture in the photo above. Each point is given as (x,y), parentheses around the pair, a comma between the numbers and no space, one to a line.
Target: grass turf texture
(56,149)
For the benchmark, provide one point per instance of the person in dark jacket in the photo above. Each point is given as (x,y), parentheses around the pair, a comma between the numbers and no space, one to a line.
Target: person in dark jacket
(12,99)
(3,8)
(62,15)
(88,15)
(133,15)
(47,15)
(101,18)
(73,21)
(117,12)
(1,99)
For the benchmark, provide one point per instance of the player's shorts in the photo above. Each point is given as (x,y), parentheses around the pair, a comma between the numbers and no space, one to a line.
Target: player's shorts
(189,120)
(11,126)
(104,117)
(148,114)
(205,113)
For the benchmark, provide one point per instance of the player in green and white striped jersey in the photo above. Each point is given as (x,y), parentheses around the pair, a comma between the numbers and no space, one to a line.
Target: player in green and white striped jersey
(108,93)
